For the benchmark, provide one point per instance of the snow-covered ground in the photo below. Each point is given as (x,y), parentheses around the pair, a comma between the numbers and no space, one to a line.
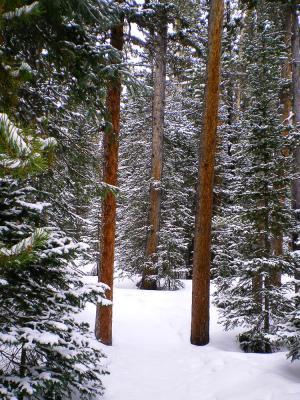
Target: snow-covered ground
(152,359)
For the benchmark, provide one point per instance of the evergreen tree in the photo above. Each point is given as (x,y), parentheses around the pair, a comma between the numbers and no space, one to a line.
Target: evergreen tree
(44,351)
(134,175)
(206,165)
(178,190)
(290,330)
(56,63)
(228,227)
(259,179)
(182,114)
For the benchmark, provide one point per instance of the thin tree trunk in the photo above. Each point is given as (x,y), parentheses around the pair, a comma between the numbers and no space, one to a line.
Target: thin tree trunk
(257,284)
(266,281)
(296,111)
(158,109)
(207,150)
(23,362)
(22,369)
(103,326)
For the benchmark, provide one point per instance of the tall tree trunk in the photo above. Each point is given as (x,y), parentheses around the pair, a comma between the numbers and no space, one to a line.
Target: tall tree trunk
(207,150)
(103,326)
(286,106)
(158,109)
(296,111)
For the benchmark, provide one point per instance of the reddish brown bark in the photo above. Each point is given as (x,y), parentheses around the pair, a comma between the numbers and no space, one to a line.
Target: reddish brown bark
(103,326)
(158,109)
(207,150)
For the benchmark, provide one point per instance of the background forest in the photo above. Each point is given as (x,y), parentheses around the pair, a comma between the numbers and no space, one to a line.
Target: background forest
(101,104)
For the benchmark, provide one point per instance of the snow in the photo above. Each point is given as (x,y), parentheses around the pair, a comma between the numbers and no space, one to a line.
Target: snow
(37,206)
(13,135)
(24,244)
(151,357)
(18,12)
(48,142)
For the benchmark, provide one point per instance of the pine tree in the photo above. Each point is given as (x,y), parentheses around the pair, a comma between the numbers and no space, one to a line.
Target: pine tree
(56,63)
(159,47)
(228,227)
(204,199)
(262,172)
(134,180)
(103,327)
(44,351)
(290,329)
(182,114)
(178,189)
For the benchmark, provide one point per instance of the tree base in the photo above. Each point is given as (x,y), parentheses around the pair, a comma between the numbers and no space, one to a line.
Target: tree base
(103,325)
(147,283)
(255,342)
(199,341)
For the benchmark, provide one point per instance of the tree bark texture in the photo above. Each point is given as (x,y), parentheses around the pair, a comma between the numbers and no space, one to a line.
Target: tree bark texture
(207,150)
(103,328)
(296,112)
(158,110)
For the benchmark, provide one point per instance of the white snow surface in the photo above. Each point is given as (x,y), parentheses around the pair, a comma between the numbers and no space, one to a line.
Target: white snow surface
(152,358)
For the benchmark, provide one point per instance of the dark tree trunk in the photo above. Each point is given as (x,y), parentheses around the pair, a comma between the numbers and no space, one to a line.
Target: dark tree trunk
(296,111)
(158,109)
(286,107)
(103,328)
(207,150)
(22,370)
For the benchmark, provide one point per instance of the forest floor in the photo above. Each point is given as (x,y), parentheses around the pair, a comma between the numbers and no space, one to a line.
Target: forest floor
(152,359)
